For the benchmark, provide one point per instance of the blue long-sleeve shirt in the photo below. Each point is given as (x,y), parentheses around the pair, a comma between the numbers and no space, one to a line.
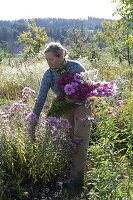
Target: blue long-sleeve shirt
(48,81)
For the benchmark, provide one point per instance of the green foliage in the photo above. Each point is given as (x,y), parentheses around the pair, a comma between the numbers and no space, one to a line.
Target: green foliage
(5,57)
(56,28)
(125,9)
(81,45)
(33,40)
(24,161)
(77,41)
(116,36)
(59,107)
(93,52)
(110,165)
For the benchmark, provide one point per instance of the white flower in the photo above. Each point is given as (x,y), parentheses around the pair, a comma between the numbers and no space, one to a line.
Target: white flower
(89,76)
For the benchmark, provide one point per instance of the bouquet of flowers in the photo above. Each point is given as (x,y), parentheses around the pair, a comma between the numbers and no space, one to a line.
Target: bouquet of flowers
(76,88)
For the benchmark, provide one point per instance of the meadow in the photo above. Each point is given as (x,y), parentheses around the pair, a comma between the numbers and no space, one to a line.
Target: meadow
(35,169)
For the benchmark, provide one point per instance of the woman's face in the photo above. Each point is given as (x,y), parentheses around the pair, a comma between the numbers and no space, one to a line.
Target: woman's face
(54,61)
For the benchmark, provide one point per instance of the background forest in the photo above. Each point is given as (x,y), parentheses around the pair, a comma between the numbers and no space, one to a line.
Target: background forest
(56,28)
(35,170)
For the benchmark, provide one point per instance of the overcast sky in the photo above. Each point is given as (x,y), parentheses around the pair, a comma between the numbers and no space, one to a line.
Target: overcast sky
(18,9)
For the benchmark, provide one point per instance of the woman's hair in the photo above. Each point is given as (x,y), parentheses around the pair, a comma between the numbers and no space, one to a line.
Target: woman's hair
(56,48)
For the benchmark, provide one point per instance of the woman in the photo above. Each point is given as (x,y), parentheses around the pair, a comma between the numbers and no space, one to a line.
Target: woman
(56,58)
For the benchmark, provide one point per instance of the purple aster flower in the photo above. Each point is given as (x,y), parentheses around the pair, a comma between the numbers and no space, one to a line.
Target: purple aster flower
(57,125)
(77,77)
(17,106)
(51,121)
(69,89)
(26,93)
(65,123)
(74,84)
(30,117)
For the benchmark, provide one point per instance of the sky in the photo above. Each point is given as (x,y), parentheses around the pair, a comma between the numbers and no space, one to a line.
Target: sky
(68,9)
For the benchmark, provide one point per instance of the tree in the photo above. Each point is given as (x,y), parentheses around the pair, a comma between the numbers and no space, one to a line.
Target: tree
(93,52)
(5,56)
(77,43)
(125,10)
(33,40)
(115,36)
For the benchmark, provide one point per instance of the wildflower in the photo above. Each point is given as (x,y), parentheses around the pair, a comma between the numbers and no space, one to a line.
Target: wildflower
(110,111)
(30,117)
(89,76)
(17,106)
(120,102)
(4,116)
(93,93)
(26,93)
(65,123)
(69,89)
(77,77)
(107,88)
(51,121)
(74,84)
(58,123)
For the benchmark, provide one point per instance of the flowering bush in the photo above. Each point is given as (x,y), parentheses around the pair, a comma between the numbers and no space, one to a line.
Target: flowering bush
(24,160)
(76,88)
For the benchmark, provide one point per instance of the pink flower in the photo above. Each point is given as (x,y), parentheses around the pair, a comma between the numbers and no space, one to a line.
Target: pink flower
(77,77)
(71,84)
(120,102)
(110,112)
(69,89)
(74,84)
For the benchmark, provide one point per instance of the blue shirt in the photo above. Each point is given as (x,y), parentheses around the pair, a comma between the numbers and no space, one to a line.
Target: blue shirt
(48,82)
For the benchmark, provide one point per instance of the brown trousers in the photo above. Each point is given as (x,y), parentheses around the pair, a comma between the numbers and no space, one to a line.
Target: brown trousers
(80,127)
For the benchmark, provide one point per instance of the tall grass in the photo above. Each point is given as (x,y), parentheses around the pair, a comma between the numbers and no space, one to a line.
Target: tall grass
(15,77)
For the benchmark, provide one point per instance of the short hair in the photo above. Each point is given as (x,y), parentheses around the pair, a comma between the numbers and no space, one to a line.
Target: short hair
(56,48)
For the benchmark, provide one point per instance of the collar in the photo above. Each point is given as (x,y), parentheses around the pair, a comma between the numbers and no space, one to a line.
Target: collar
(61,69)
